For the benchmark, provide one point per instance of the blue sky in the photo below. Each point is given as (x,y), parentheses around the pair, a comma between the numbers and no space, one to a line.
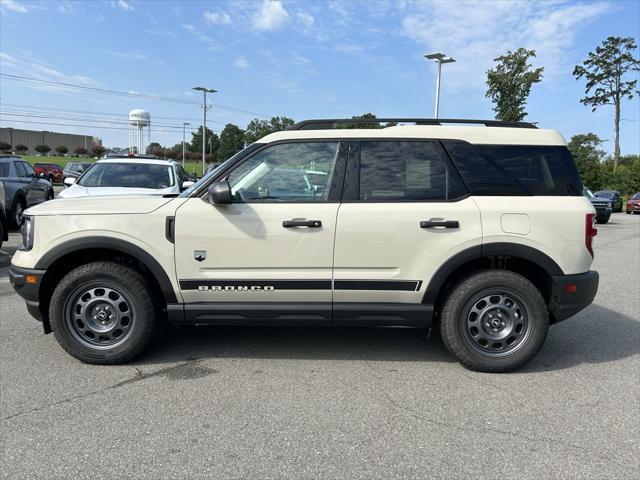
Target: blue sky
(302,59)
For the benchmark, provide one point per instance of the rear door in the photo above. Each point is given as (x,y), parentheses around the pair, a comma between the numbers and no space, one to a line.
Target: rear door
(272,246)
(404,213)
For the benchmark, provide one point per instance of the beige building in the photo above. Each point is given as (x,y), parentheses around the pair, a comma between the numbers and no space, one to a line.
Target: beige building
(32,138)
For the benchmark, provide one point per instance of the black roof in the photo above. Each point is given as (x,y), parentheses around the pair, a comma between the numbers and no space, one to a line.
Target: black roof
(328,123)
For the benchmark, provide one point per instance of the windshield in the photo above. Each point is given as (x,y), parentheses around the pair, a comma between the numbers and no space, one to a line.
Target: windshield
(77,167)
(132,175)
(587,193)
(636,196)
(208,175)
(604,194)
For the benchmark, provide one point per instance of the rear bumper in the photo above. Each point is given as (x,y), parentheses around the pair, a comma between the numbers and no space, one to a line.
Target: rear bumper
(572,293)
(28,290)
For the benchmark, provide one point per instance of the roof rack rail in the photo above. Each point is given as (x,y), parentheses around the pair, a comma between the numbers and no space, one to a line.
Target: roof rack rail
(325,124)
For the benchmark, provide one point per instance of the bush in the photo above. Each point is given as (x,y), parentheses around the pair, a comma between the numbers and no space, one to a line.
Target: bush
(43,149)
(5,147)
(80,151)
(62,150)
(20,148)
(98,150)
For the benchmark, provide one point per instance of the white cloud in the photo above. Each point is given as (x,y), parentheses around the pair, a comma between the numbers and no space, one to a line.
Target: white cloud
(188,27)
(127,55)
(218,18)
(270,16)
(122,5)
(306,20)
(477,32)
(241,62)
(13,5)
(65,7)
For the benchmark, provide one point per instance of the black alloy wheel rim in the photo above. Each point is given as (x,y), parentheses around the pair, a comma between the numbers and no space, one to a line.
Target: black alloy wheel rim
(99,317)
(496,324)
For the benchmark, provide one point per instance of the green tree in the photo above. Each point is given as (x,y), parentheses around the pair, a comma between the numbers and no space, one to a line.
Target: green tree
(5,147)
(363,124)
(20,148)
(196,140)
(605,69)
(509,84)
(80,151)
(153,148)
(62,150)
(256,129)
(589,158)
(231,141)
(43,149)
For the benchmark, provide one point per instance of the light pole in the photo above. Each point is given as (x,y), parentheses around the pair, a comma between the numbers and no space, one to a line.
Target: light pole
(440,58)
(184,124)
(204,91)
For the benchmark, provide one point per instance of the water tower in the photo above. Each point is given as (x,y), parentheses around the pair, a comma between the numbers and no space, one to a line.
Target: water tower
(139,130)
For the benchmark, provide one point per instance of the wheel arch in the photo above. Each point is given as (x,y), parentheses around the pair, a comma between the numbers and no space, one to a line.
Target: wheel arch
(68,255)
(529,262)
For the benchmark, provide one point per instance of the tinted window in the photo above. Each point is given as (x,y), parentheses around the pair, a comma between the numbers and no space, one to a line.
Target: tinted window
(19,168)
(4,169)
(405,171)
(142,175)
(29,171)
(510,169)
(278,173)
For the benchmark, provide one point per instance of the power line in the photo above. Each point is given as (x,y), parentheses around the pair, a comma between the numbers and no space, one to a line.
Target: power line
(125,94)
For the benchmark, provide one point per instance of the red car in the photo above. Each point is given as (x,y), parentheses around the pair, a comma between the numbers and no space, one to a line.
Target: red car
(53,172)
(633,204)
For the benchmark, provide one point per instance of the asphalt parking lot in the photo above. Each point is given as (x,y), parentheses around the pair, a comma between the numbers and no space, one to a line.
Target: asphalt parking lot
(331,402)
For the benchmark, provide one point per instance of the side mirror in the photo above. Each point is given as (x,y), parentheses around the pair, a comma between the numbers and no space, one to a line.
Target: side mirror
(219,193)
(68,181)
(186,184)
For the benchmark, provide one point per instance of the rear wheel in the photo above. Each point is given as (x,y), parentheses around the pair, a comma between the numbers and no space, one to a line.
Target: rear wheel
(494,321)
(103,313)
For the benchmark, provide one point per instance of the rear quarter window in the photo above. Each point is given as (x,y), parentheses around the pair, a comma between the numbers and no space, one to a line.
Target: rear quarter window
(513,169)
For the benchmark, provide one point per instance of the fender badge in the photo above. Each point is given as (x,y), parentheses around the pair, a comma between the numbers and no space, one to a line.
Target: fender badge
(199,255)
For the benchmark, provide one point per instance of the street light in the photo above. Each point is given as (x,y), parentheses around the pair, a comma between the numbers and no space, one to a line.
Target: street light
(184,124)
(440,58)
(204,91)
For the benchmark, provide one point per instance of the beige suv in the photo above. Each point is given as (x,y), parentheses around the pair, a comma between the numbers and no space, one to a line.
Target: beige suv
(482,230)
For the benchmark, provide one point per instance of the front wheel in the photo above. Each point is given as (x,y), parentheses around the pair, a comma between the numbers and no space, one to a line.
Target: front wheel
(494,321)
(602,219)
(103,313)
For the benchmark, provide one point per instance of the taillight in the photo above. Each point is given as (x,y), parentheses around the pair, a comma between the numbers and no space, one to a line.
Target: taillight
(590,231)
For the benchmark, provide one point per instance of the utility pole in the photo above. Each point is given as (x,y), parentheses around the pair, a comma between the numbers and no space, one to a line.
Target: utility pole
(440,58)
(204,91)
(184,124)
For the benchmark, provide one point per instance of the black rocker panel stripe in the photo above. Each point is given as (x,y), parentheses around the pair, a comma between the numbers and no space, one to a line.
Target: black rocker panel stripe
(395,285)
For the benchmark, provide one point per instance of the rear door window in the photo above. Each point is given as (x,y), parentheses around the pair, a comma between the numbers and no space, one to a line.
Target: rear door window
(20,170)
(408,171)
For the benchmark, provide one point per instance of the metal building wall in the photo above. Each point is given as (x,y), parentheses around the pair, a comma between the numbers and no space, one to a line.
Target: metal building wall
(32,138)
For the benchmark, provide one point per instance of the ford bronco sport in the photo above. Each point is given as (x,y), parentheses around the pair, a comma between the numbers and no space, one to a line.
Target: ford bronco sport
(481,230)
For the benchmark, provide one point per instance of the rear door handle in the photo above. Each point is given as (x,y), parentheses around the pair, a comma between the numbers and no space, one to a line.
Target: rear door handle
(301,223)
(439,223)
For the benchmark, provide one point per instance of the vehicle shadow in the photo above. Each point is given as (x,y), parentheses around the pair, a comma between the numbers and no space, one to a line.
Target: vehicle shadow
(596,335)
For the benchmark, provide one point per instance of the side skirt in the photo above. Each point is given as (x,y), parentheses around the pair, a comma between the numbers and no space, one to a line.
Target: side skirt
(311,314)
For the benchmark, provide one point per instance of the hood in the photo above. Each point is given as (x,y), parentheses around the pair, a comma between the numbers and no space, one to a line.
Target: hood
(76,190)
(105,205)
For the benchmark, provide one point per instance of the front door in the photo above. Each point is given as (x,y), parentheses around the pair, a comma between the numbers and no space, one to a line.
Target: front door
(273,245)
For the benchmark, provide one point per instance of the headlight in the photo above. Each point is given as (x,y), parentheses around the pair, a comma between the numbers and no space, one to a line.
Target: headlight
(608,204)
(27,233)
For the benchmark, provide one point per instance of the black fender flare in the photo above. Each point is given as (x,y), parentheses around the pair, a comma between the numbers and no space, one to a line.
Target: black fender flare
(116,244)
(495,249)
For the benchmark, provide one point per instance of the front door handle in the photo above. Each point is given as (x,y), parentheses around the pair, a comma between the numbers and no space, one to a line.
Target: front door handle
(439,223)
(301,223)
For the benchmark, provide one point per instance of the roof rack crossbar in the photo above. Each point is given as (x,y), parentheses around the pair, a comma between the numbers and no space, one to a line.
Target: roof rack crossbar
(324,124)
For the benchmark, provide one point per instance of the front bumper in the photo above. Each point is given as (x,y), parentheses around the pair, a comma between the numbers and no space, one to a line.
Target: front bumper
(26,282)
(603,210)
(572,293)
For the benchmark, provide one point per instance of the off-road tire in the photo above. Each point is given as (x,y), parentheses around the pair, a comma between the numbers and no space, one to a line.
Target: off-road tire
(144,318)
(458,308)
